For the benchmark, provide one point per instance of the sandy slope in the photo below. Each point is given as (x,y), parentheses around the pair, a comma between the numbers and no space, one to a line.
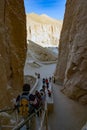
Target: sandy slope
(40,53)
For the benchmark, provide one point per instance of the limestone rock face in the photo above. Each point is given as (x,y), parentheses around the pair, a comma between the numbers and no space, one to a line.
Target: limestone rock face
(12,48)
(43,30)
(72,60)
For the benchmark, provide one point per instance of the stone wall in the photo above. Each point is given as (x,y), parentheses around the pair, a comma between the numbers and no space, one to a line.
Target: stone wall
(72,59)
(12,48)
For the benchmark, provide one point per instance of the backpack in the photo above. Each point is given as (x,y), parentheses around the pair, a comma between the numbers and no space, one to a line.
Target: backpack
(23,105)
(33,100)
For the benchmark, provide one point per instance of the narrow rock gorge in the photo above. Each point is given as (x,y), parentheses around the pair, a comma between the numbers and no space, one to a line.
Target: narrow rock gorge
(72,59)
(12,49)
(43,29)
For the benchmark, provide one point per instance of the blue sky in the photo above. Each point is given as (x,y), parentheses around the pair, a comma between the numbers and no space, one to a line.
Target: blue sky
(52,8)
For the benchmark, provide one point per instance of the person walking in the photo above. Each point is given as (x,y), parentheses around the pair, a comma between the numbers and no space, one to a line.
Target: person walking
(22,103)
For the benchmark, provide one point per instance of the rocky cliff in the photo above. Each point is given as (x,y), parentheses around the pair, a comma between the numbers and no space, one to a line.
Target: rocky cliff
(72,60)
(12,48)
(43,30)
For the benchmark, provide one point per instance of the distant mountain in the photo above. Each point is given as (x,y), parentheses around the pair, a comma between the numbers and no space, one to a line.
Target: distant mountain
(44,19)
(43,29)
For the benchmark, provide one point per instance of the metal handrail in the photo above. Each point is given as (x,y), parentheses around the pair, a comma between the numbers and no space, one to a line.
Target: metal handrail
(13,109)
(22,123)
(5,110)
(44,118)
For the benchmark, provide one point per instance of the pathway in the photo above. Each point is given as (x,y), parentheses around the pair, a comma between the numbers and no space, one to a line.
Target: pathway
(67,114)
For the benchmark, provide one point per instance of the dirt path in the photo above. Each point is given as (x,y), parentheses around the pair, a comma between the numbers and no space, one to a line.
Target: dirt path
(67,114)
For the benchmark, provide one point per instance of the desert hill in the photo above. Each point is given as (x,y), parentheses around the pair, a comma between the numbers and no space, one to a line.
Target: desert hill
(43,19)
(43,25)
(40,53)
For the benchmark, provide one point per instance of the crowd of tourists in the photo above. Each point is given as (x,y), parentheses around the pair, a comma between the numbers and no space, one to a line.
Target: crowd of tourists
(27,103)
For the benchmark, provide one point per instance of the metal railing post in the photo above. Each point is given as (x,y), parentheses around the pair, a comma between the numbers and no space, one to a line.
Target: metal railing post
(46,115)
(0,126)
(22,123)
